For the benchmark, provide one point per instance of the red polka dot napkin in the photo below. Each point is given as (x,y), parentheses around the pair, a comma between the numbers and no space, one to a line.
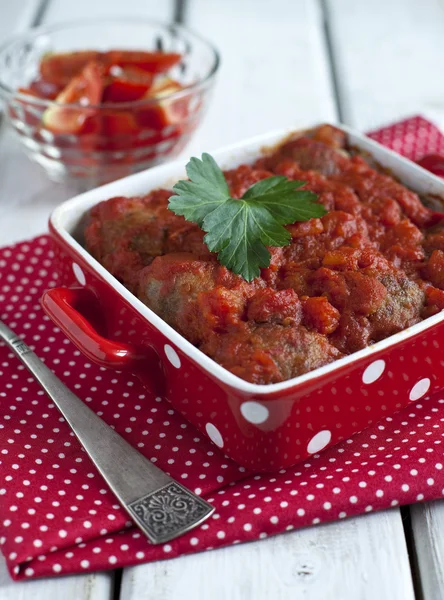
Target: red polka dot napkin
(56,513)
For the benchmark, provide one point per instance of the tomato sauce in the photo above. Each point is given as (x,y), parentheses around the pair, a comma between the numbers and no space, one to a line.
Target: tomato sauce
(372,266)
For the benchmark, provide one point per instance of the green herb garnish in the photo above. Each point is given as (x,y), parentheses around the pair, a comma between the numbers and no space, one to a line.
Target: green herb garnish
(240,230)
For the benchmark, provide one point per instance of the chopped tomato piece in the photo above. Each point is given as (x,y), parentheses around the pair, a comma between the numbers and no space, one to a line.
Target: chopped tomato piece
(153,62)
(118,123)
(60,68)
(435,297)
(45,89)
(320,315)
(30,110)
(29,91)
(170,111)
(86,90)
(129,84)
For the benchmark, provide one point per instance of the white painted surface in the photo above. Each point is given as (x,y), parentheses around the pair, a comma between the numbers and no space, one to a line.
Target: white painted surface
(275,73)
(388,55)
(63,10)
(95,586)
(16,16)
(428,528)
(338,561)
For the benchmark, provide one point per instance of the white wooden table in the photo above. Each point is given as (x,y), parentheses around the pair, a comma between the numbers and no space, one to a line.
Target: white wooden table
(286,62)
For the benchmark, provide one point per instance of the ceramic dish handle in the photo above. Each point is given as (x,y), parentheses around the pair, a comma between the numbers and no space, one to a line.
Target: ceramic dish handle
(60,305)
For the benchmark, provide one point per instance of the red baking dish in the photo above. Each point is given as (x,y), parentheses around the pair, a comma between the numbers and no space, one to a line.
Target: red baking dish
(262,427)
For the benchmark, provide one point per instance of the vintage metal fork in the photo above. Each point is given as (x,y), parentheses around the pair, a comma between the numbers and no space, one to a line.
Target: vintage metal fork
(161,507)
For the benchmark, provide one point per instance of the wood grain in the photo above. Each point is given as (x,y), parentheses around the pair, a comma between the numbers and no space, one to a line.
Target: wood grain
(17,16)
(94,586)
(387,57)
(428,532)
(61,10)
(338,561)
(274,70)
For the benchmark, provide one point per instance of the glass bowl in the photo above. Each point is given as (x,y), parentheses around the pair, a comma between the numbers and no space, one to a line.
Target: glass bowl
(121,138)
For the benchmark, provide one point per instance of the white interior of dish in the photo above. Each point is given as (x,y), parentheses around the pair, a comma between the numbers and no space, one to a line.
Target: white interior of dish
(68,216)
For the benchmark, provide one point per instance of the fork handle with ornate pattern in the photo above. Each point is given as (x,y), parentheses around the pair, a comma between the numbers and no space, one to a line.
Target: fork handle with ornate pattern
(161,507)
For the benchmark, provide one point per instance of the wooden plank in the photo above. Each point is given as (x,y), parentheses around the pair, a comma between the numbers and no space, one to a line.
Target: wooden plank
(385,58)
(342,561)
(428,532)
(388,55)
(274,71)
(60,10)
(17,16)
(97,586)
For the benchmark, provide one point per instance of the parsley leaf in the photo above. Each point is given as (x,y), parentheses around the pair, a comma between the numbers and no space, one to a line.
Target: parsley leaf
(240,230)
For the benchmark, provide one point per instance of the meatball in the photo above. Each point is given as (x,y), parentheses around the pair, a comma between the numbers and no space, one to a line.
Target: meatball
(270,353)
(126,234)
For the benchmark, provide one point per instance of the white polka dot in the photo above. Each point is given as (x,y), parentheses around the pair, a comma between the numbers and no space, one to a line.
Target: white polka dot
(167,548)
(373,371)
(78,274)
(84,564)
(29,572)
(300,512)
(172,356)
(112,560)
(214,435)
(274,519)
(221,535)
(56,568)
(319,441)
(38,543)
(420,389)
(255,413)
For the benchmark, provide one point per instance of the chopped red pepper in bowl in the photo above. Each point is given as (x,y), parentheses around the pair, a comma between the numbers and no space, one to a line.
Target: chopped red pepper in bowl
(90,115)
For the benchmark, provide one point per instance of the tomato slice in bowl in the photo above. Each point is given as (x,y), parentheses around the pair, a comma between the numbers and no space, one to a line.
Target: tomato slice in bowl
(26,112)
(60,68)
(45,89)
(152,62)
(84,90)
(115,123)
(171,111)
(127,84)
